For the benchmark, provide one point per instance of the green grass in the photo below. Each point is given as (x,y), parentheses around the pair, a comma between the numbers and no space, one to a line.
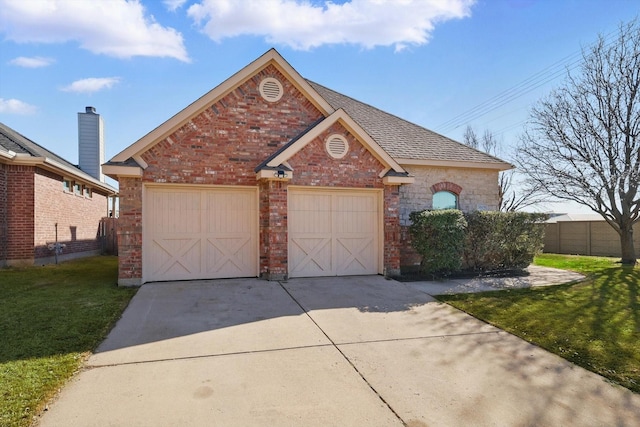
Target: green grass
(51,318)
(594,323)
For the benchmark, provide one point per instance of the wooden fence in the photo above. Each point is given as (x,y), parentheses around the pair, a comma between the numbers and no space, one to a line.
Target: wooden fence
(595,238)
(108,234)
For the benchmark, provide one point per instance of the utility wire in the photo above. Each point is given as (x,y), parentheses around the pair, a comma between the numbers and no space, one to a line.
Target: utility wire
(541,78)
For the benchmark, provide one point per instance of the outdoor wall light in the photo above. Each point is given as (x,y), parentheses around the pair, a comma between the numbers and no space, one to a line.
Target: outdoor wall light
(280,174)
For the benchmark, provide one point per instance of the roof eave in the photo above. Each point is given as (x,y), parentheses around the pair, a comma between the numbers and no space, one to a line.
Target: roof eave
(61,169)
(499,166)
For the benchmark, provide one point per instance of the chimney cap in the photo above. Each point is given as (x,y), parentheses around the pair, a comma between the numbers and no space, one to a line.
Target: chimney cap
(90,109)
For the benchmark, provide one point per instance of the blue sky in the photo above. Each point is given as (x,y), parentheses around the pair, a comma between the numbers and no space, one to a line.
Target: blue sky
(442,64)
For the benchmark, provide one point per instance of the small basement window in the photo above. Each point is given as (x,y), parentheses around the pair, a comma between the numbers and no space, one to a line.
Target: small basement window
(337,146)
(445,200)
(271,89)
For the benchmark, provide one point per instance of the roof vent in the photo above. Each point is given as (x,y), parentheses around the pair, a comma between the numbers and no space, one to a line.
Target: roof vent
(337,146)
(271,89)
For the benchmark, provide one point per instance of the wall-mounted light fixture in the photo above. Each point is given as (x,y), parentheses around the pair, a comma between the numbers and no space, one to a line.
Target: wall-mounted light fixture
(280,174)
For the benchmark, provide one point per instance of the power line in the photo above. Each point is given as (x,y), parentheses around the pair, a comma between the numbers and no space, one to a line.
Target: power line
(541,78)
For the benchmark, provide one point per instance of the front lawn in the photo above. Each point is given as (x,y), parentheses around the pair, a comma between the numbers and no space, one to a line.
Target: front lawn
(594,324)
(51,318)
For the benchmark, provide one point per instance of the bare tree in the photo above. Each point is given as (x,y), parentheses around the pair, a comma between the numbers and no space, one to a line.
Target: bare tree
(583,140)
(470,138)
(511,197)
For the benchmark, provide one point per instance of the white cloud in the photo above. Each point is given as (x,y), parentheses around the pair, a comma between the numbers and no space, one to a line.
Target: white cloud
(15,106)
(174,5)
(117,28)
(92,84)
(303,25)
(32,62)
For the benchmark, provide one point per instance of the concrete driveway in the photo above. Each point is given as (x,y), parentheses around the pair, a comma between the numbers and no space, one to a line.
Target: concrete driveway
(358,351)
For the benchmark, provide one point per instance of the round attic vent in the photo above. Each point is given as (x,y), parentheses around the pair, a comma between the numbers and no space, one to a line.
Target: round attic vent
(271,89)
(337,146)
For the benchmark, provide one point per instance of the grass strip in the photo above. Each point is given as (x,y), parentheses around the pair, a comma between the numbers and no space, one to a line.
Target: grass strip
(594,324)
(51,318)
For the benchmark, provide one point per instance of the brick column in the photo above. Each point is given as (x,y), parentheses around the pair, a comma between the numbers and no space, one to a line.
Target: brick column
(392,230)
(130,232)
(273,230)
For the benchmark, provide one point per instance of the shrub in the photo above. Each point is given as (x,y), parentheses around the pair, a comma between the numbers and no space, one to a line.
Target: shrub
(450,241)
(502,240)
(439,237)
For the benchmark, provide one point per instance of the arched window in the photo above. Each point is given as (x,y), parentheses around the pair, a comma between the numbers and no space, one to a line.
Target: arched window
(445,200)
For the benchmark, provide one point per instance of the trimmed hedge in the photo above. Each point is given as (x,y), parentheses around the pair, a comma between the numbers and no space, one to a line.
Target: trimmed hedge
(439,237)
(451,241)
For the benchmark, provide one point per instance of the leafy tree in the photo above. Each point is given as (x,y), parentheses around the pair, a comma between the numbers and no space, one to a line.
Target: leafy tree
(583,140)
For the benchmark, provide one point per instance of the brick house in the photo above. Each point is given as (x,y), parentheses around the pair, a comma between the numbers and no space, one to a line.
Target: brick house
(44,199)
(272,175)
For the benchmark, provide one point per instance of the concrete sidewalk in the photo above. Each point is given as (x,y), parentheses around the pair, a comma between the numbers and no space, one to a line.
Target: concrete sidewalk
(321,352)
(535,276)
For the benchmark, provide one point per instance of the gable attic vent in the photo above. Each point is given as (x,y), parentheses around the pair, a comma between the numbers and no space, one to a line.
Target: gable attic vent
(271,89)
(337,146)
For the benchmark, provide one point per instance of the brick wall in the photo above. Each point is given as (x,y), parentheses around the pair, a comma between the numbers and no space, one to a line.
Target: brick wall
(3,214)
(20,233)
(223,144)
(357,169)
(77,217)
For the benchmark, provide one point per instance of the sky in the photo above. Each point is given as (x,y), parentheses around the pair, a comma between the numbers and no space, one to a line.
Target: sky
(442,64)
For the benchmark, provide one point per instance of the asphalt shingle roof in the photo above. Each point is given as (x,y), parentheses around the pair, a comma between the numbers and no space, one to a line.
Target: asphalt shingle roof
(400,138)
(10,140)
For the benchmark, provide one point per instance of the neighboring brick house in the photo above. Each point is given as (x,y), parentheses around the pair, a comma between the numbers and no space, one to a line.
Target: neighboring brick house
(42,195)
(272,175)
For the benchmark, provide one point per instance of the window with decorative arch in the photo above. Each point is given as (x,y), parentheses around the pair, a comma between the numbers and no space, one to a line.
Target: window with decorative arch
(445,196)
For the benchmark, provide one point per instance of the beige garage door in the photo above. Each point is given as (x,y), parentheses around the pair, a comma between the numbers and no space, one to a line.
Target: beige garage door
(194,233)
(333,233)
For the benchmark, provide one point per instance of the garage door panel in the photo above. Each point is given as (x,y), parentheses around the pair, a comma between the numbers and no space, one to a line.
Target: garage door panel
(230,255)
(200,233)
(347,224)
(355,255)
(174,258)
(310,255)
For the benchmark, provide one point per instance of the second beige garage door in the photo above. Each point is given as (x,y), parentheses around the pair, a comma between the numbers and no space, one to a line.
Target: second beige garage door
(333,232)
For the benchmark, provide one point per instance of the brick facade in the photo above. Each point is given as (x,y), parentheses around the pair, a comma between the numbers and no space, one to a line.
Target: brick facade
(3,214)
(33,203)
(223,145)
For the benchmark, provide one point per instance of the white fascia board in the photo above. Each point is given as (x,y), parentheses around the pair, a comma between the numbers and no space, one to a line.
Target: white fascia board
(61,169)
(455,164)
(115,171)
(398,180)
(270,174)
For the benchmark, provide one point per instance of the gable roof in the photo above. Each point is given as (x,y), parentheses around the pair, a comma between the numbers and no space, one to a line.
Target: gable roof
(400,141)
(17,148)
(338,116)
(407,142)
(271,57)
